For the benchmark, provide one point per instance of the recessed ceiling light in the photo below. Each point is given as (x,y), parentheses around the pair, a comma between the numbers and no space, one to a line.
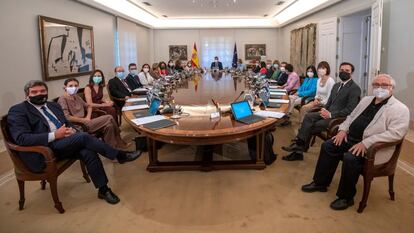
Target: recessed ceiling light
(165,16)
(147,3)
(265,15)
(279,3)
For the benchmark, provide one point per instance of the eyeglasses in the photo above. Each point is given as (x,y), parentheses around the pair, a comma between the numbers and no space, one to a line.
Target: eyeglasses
(382,85)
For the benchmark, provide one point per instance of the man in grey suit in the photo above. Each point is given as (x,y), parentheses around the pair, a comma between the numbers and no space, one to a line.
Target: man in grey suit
(344,98)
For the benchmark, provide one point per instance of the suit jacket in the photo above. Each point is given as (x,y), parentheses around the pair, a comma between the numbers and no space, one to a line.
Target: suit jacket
(220,65)
(117,89)
(386,126)
(133,82)
(342,103)
(28,127)
(283,77)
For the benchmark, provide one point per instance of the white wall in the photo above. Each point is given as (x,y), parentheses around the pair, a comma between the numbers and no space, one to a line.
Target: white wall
(398,48)
(165,37)
(20,52)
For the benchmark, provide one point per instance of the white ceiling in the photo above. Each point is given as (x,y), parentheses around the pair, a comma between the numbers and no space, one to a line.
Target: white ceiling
(211,13)
(184,9)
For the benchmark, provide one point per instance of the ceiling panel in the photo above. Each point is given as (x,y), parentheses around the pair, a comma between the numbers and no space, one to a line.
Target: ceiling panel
(182,9)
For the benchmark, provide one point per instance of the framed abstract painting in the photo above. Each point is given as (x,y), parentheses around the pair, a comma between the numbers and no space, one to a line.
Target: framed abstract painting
(66,49)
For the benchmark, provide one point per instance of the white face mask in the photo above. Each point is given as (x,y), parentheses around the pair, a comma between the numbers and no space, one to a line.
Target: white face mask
(283,69)
(275,65)
(145,70)
(71,90)
(310,74)
(381,93)
(268,66)
(321,72)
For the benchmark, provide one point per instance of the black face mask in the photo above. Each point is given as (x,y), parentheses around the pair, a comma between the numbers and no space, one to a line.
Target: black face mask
(344,76)
(38,99)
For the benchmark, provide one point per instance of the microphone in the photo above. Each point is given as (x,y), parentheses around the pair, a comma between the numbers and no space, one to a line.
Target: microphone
(241,93)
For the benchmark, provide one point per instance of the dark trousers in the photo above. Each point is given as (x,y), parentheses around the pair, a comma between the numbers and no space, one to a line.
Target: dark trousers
(329,158)
(86,148)
(313,123)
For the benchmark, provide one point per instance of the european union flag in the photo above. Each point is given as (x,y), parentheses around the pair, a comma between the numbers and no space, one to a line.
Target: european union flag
(234,64)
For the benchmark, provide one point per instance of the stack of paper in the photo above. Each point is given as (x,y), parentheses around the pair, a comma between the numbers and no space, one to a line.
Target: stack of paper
(279,101)
(134,107)
(271,114)
(142,89)
(148,119)
(130,100)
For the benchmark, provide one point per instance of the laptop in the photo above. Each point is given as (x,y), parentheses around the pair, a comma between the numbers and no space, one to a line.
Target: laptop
(265,98)
(155,104)
(243,113)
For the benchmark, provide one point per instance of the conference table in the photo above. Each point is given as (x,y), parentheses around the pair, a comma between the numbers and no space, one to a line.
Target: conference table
(196,128)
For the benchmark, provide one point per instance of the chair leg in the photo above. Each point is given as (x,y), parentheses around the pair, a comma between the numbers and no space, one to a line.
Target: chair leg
(313,139)
(391,187)
(43,184)
(367,187)
(53,189)
(21,191)
(84,172)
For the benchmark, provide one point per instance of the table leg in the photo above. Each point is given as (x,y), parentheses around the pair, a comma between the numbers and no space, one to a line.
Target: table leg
(260,148)
(152,152)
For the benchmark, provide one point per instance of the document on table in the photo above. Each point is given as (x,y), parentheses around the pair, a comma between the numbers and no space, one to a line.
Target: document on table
(140,89)
(134,107)
(279,101)
(271,114)
(273,88)
(277,93)
(148,119)
(135,99)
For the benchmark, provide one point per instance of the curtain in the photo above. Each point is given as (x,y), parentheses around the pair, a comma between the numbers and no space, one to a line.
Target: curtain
(302,48)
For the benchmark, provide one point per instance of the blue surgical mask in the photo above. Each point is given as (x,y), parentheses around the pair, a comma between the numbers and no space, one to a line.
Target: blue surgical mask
(134,72)
(275,65)
(120,75)
(97,79)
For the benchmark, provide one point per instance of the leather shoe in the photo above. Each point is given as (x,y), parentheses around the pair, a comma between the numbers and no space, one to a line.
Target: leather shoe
(312,187)
(341,204)
(293,147)
(109,197)
(293,156)
(124,157)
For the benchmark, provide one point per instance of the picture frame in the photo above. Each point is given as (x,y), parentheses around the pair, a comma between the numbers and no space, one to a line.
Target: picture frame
(254,51)
(66,48)
(178,52)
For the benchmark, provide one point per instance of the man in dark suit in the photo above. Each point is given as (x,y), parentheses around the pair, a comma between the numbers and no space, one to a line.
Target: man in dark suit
(36,122)
(344,98)
(283,76)
(216,64)
(118,87)
(132,79)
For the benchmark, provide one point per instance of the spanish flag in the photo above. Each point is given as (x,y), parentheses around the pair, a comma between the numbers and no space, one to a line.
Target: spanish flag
(194,57)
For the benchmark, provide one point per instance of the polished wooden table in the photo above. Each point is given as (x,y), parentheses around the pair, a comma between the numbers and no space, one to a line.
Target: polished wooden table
(196,128)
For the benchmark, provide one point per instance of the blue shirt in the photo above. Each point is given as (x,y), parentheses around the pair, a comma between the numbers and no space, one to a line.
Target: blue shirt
(308,87)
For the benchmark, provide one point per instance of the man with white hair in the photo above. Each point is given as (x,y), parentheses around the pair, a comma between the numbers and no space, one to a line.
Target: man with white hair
(378,118)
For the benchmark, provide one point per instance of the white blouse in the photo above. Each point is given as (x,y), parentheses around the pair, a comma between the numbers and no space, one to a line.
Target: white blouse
(323,93)
(145,79)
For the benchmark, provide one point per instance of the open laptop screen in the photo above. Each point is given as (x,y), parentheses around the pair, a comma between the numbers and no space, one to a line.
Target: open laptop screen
(241,110)
(155,104)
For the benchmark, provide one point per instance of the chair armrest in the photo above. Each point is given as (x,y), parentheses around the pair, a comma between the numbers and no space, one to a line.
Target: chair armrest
(118,99)
(336,121)
(291,92)
(306,100)
(46,152)
(81,126)
(372,150)
(98,112)
(316,109)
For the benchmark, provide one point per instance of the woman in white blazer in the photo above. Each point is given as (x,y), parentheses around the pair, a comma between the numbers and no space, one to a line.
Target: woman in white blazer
(144,76)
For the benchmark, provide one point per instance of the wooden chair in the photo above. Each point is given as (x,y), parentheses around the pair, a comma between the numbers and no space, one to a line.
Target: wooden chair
(50,174)
(370,170)
(115,100)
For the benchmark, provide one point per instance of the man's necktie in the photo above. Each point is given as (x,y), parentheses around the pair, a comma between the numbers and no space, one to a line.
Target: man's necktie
(53,119)
(340,86)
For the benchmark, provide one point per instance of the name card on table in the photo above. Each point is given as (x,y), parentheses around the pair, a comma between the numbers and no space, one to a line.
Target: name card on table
(134,107)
